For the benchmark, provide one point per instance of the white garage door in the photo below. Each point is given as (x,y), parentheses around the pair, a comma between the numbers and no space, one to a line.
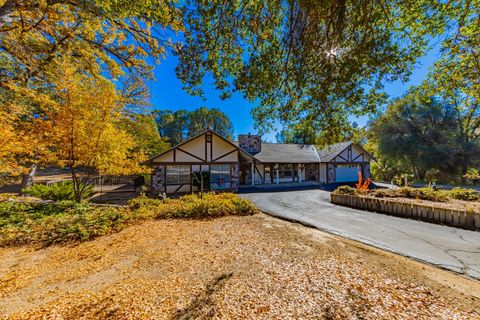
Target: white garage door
(347,174)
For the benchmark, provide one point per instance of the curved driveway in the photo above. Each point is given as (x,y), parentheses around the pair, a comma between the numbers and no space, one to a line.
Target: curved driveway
(450,248)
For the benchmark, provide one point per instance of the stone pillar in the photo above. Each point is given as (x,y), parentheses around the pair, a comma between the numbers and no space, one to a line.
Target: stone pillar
(253,173)
(235,177)
(331,173)
(366,171)
(158,183)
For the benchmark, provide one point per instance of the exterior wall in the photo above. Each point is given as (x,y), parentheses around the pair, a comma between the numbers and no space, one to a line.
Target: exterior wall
(250,143)
(158,176)
(220,148)
(167,157)
(177,189)
(323,172)
(258,177)
(357,154)
(196,146)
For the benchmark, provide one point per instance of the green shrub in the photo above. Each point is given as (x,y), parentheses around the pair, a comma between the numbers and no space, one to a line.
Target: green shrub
(194,206)
(345,190)
(464,194)
(23,222)
(426,193)
(57,191)
(47,223)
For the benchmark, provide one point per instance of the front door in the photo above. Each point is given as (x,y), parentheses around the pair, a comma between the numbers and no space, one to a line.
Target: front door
(242,179)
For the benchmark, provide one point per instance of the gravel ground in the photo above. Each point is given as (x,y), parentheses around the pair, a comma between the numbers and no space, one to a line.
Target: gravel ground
(254,267)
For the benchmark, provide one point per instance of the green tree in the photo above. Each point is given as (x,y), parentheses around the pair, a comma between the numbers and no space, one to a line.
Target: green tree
(455,79)
(182,124)
(416,131)
(172,124)
(143,129)
(305,61)
(214,119)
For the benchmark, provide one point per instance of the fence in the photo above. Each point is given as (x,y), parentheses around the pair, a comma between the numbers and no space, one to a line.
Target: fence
(451,217)
(112,180)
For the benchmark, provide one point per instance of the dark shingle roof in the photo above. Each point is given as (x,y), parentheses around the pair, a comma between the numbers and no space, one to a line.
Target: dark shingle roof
(298,153)
(287,153)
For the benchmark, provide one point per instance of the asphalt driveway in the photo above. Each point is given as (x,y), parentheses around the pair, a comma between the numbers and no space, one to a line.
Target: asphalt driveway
(446,247)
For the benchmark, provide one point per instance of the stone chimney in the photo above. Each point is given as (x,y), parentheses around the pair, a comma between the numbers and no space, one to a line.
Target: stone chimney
(250,143)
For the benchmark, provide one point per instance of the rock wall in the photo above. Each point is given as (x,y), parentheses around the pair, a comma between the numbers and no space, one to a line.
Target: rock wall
(235,177)
(158,183)
(331,173)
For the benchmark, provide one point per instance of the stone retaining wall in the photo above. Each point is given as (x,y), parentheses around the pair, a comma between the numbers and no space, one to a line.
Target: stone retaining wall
(450,217)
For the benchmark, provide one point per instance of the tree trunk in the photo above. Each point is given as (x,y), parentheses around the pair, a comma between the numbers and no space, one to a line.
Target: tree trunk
(27,179)
(76,185)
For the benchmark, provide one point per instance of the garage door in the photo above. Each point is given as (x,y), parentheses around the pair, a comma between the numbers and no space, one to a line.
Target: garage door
(347,174)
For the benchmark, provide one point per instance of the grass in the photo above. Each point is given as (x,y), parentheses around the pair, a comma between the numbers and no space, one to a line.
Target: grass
(46,223)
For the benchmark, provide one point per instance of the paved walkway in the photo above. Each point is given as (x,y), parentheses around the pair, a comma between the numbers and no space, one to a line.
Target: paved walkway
(454,249)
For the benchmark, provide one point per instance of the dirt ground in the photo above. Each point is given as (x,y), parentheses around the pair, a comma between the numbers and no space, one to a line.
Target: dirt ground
(254,267)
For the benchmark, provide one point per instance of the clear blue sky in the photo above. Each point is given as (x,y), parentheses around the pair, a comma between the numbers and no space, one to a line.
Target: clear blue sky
(167,93)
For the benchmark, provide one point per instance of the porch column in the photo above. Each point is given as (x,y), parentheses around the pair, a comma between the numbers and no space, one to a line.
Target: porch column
(252,174)
(299,173)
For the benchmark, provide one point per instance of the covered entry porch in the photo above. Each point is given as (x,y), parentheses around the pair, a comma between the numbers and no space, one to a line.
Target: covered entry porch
(254,173)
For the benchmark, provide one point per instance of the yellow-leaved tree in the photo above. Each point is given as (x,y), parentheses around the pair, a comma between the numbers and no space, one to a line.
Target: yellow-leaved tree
(81,124)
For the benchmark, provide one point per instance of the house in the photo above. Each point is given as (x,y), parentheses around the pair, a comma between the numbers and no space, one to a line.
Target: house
(228,165)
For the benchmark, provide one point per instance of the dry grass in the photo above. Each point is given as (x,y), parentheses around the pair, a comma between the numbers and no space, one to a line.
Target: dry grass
(254,267)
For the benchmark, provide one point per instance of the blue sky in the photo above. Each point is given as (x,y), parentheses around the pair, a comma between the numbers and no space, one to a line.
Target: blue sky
(167,93)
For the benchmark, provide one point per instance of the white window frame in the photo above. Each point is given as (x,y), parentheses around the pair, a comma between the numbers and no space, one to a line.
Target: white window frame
(178,171)
(225,176)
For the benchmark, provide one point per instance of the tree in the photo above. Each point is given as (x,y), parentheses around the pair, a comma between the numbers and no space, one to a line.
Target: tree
(416,131)
(304,61)
(81,125)
(454,78)
(101,39)
(144,130)
(214,119)
(182,124)
(172,125)
(101,36)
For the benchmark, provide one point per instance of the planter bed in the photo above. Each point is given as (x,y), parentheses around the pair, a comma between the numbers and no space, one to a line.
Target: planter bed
(441,213)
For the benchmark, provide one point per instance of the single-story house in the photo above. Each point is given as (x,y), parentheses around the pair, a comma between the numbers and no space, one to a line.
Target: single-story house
(249,161)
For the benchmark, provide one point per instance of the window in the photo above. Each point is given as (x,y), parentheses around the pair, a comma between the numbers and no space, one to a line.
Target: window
(220,176)
(286,170)
(178,174)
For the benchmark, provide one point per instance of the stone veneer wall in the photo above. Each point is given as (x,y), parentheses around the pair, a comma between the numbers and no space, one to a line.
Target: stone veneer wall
(250,143)
(235,177)
(331,173)
(158,183)
(366,171)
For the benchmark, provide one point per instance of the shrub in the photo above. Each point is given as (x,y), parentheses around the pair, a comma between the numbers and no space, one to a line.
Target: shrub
(57,191)
(194,206)
(23,222)
(464,194)
(345,190)
(47,223)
